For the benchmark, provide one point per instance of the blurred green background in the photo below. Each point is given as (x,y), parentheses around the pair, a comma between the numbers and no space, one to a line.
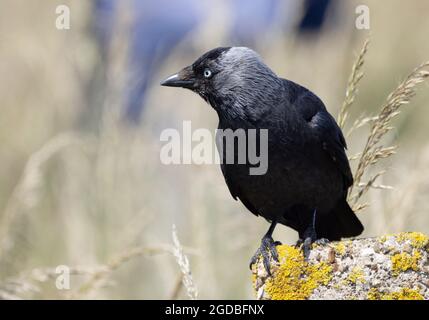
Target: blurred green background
(81,183)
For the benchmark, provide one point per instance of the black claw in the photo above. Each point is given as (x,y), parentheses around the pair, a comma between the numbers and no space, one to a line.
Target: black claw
(267,250)
(306,248)
(274,253)
(255,258)
(309,236)
(266,261)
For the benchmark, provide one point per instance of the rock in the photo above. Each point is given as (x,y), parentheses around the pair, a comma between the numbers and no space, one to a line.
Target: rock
(391,267)
(368,252)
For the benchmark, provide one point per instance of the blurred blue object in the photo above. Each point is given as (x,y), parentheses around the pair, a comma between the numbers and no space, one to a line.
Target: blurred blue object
(158,26)
(314,14)
(251,20)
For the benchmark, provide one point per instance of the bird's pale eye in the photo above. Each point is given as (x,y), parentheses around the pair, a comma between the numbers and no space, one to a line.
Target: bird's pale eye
(207,73)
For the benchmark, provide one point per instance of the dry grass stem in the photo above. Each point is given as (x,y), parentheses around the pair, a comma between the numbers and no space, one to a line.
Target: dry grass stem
(26,192)
(380,126)
(99,277)
(28,282)
(352,85)
(183,262)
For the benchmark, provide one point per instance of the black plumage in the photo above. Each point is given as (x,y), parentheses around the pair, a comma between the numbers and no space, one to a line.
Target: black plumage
(305,186)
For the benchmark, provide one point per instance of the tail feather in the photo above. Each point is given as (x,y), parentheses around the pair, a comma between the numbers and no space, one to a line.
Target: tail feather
(341,222)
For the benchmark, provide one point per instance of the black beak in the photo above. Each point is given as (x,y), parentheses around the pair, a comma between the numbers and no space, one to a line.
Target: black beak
(185,78)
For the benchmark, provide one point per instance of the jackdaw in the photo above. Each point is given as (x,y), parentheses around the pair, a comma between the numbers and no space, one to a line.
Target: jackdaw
(308,176)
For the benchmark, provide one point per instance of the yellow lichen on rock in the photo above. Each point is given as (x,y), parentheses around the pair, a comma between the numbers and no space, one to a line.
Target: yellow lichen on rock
(295,279)
(340,248)
(404,261)
(373,294)
(403,294)
(417,239)
(356,275)
(392,267)
(254,279)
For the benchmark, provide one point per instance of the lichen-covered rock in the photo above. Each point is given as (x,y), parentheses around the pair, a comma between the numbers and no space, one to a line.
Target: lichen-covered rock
(391,267)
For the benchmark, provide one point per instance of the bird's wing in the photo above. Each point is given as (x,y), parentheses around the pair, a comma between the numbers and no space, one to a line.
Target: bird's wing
(333,143)
(323,126)
(231,188)
(235,191)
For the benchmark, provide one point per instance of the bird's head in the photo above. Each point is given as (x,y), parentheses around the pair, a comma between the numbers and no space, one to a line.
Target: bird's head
(231,79)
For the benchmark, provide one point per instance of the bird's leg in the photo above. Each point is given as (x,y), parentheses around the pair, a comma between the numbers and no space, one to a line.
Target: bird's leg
(267,248)
(310,236)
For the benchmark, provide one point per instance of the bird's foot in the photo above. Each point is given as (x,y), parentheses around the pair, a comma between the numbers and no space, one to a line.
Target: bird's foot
(308,242)
(306,247)
(322,241)
(267,249)
(309,238)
